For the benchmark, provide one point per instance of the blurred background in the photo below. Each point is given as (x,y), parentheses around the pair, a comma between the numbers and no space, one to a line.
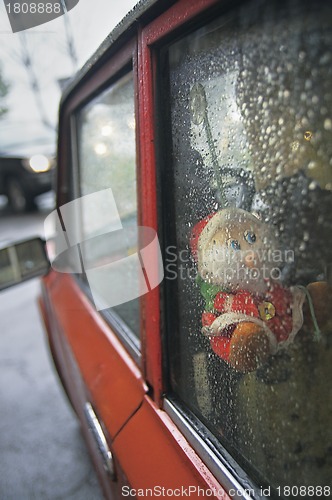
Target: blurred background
(42,454)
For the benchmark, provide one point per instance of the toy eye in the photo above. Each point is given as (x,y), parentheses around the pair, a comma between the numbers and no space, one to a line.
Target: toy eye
(250,237)
(234,244)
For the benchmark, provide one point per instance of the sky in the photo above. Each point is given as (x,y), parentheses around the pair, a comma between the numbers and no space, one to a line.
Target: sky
(90,21)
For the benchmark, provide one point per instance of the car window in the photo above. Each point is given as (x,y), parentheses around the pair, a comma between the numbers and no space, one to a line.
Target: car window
(248,264)
(107,161)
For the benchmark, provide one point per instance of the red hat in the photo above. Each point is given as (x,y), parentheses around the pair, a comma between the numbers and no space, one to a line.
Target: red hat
(196,233)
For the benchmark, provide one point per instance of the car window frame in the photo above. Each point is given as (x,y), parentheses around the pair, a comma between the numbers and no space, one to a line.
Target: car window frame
(109,71)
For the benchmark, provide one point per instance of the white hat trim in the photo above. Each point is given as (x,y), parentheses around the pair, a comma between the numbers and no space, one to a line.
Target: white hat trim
(228,319)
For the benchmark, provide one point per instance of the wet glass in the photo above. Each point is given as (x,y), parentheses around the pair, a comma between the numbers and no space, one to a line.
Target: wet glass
(250,258)
(107,159)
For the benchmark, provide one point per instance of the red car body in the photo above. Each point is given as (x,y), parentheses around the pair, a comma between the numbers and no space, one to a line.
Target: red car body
(148,449)
(155,450)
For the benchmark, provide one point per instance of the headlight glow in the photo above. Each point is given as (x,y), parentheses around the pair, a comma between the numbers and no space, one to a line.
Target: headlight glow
(100,149)
(39,163)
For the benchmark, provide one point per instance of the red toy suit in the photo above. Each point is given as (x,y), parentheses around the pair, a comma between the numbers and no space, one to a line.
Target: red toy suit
(278,312)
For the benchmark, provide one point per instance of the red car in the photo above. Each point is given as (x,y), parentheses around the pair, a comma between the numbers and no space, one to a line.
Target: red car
(199,137)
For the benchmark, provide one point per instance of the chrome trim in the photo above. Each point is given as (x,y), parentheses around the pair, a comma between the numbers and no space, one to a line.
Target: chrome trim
(100,439)
(130,341)
(221,472)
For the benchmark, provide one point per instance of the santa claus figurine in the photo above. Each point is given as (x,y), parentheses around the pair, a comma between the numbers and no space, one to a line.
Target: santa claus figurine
(248,315)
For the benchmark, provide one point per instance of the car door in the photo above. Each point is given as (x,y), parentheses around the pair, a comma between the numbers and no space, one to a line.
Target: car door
(109,357)
(242,154)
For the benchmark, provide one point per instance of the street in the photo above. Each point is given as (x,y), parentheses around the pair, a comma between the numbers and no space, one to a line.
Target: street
(42,452)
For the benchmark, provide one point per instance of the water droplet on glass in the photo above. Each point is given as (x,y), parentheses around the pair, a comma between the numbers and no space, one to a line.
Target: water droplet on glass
(328,124)
(302,246)
(306,236)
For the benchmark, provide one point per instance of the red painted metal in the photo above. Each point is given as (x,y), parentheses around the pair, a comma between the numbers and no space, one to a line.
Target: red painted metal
(175,18)
(148,217)
(112,380)
(153,452)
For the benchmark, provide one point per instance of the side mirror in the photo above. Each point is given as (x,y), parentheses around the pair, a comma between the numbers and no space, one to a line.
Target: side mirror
(22,261)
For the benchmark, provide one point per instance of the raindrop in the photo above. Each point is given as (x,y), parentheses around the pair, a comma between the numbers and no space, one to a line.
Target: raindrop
(328,124)
(325,58)
(302,247)
(308,85)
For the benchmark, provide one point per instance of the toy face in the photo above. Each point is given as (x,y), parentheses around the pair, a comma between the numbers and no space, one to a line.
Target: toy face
(239,255)
(241,241)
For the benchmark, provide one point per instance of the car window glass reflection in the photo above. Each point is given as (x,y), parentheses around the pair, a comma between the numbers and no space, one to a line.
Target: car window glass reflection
(107,159)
